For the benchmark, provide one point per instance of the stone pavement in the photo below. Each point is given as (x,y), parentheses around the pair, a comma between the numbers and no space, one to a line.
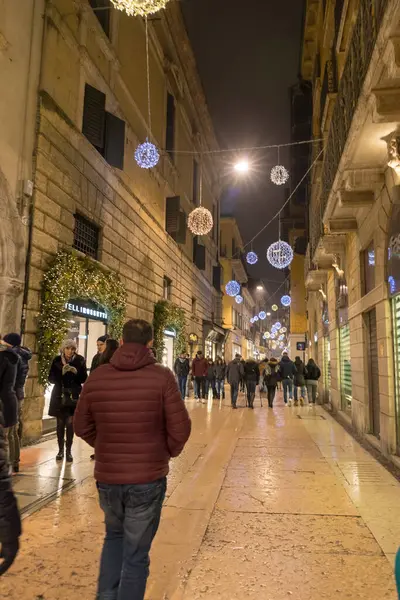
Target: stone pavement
(263,505)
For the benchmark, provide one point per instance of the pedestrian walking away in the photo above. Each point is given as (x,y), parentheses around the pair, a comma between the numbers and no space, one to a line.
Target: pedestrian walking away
(210,378)
(10,364)
(12,341)
(271,378)
(287,371)
(181,369)
(312,375)
(199,371)
(10,522)
(242,379)
(234,375)
(299,381)
(68,372)
(132,412)
(251,377)
(220,375)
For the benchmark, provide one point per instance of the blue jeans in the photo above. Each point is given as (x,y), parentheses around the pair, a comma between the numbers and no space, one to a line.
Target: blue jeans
(220,386)
(182,381)
(132,516)
(303,391)
(287,385)
(234,393)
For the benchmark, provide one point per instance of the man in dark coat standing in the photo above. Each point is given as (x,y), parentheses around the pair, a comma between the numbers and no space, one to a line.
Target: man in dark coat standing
(199,372)
(288,372)
(10,363)
(10,522)
(234,375)
(182,369)
(251,377)
(13,342)
(132,413)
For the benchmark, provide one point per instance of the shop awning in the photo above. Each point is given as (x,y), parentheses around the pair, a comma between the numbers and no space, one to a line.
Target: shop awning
(214,333)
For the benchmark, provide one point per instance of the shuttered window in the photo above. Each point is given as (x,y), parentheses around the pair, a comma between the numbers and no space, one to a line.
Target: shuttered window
(175,220)
(396,351)
(102,9)
(199,254)
(104,130)
(345,367)
(170,131)
(217,277)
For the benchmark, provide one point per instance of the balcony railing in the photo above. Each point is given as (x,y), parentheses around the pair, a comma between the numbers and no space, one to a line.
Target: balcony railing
(366,28)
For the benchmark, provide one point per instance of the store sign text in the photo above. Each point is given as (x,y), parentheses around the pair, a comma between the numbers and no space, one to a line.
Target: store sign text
(86,311)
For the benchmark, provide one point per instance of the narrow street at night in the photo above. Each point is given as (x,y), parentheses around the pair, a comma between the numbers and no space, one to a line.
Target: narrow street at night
(268,505)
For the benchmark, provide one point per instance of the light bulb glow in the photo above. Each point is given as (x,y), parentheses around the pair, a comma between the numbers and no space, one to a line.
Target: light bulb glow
(242,166)
(232,288)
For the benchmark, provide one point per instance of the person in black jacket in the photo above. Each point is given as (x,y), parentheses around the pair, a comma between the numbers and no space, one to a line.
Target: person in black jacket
(181,369)
(220,374)
(287,371)
(271,378)
(251,377)
(10,521)
(68,372)
(312,374)
(101,346)
(13,342)
(299,381)
(9,366)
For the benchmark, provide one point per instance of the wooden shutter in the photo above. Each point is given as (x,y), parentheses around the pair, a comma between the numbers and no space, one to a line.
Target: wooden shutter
(115,141)
(217,272)
(94,115)
(180,235)
(172,209)
(199,255)
(103,16)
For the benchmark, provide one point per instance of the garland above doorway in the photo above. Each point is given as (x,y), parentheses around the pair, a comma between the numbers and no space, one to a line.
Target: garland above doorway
(169,315)
(71,275)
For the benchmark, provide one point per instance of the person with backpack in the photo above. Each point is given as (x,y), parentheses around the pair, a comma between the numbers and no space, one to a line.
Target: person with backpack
(181,369)
(312,374)
(251,377)
(299,381)
(288,371)
(270,379)
(220,374)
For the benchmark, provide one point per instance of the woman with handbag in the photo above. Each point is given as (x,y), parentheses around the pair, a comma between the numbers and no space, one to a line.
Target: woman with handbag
(68,372)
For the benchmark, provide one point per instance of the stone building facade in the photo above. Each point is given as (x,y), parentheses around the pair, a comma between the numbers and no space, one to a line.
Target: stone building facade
(20,44)
(351,55)
(92,196)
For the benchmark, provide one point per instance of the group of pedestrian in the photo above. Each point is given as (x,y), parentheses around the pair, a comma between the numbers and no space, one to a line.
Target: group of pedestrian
(207,375)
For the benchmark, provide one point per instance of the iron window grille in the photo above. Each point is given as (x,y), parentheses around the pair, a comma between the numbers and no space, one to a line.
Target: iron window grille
(86,236)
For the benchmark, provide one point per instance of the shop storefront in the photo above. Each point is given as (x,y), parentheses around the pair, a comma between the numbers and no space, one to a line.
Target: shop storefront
(344,344)
(169,347)
(394,292)
(327,353)
(87,321)
(214,340)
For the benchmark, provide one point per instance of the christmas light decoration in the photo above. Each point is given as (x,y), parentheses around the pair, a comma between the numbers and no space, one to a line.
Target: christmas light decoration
(274,307)
(280,338)
(255,319)
(252,320)
(262,315)
(147,155)
(283,330)
(139,8)
(238,299)
(273,336)
(279,175)
(280,255)
(277,325)
(267,335)
(251,258)
(274,345)
(281,345)
(286,300)
(232,288)
(200,221)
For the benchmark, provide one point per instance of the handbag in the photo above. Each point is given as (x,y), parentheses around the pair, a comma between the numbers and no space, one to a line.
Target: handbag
(67,399)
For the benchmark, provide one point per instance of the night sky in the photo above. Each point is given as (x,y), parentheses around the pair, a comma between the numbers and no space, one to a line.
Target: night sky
(248,56)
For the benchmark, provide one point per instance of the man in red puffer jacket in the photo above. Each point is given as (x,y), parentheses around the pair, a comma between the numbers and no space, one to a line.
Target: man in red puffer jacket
(199,372)
(132,413)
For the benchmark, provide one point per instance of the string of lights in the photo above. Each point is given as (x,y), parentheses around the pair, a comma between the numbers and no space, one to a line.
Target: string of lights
(248,149)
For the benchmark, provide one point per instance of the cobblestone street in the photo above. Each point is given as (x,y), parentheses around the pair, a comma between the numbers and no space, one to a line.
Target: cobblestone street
(266,504)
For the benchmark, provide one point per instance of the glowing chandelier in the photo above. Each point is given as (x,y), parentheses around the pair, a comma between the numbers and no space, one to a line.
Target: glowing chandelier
(140,8)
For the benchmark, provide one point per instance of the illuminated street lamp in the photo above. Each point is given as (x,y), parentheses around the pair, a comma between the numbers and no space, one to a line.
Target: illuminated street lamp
(242,166)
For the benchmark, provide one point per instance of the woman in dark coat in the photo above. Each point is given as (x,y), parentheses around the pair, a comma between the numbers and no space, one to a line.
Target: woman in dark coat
(68,372)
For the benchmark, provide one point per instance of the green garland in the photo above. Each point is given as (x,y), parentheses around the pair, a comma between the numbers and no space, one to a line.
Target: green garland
(72,276)
(167,314)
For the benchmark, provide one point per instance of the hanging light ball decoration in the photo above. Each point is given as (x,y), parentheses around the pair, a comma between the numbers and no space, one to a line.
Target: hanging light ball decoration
(274,345)
(147,155)
(280,338)
(255,319)
(286,300)
(280,255)
(252,320)
(262,315)
(251,258)
(273,336)
(283,330)
(281,344)
(279,175)
(232,288)
(274,307)
(277,325)
(238,299)
(140,8)
(267,335)
(200,221)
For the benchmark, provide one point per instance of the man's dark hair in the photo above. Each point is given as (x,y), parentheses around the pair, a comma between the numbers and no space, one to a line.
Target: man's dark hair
(137,331)
(199,352)
(103,338)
